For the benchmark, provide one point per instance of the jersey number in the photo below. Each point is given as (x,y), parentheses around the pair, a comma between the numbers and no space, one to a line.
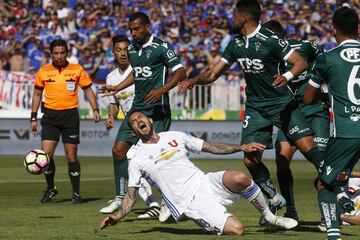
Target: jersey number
(353,80)
(246,121)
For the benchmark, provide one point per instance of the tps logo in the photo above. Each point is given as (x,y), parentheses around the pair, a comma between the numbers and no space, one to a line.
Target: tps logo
(249,64)
(142,71)
(350,55)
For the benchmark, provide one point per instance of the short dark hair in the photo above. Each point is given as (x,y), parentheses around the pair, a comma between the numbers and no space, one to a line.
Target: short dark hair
(346,20)
(252,7)
(276,27)
(58,43)
(120,38)
(144,19)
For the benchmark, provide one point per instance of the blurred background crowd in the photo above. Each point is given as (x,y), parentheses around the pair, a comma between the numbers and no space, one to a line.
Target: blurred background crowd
(198,30)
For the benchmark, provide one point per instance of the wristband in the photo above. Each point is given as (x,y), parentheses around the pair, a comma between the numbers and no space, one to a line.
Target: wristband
(33,117)
(288,75)
(96,110)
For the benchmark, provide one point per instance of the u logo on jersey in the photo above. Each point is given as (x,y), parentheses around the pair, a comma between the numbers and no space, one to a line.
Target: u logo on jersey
(173,143)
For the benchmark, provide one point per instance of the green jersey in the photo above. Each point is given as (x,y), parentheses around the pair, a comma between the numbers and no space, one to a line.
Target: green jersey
(308,51)
(150,63)
(259,55)
(339,68)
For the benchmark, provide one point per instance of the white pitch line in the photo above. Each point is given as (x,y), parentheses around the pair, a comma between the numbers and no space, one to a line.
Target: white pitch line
(57,180)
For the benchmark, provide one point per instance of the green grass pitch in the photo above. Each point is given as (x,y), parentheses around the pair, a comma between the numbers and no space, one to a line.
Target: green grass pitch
(22,216)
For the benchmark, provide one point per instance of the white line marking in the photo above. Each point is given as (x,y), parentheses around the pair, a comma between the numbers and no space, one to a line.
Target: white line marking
(56,180)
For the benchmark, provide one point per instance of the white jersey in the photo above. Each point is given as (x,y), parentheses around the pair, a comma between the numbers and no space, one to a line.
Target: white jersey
(166,165)
(125,97)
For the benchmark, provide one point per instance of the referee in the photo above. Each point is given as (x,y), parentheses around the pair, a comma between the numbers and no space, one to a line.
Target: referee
(60,80)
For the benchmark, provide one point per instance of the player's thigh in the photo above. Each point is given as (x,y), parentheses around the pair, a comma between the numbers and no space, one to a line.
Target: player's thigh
(70,127)
(49,147)
(206,211)
(321,128)
(293,123)
(222,188)
(256,128)
(341,155)
(49,131)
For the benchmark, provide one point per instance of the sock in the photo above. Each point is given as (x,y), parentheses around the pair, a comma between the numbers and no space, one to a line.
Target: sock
(314,156)
(261,176)
(253,194)
(50,174)
(74,174)
(286,183)
(329,209)
(121,176)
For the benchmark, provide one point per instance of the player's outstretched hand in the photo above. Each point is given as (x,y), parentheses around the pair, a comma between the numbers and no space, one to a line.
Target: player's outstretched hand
(185,85)
(108,221)
(252,147)
(279,81)
(153,95)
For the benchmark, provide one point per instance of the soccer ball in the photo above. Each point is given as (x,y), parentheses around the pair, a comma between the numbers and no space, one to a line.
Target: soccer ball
(36,161)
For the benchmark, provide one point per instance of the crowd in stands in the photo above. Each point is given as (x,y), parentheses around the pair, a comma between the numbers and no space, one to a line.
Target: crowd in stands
(199,30)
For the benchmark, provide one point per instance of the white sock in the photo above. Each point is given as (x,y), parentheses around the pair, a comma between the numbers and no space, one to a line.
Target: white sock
(145,193)
(254,195)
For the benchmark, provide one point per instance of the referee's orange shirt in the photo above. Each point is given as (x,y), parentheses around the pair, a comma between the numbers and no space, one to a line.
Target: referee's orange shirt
(61,87)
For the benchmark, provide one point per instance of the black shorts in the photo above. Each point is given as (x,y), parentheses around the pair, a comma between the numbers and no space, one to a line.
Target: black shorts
(61,122)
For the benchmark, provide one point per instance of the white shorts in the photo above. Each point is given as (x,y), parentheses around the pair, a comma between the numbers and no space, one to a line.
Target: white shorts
(207,208)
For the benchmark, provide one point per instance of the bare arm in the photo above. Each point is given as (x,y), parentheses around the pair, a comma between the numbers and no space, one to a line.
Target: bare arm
(110,89)
(312,95)
(222,148)
(113,111)
(126,205)
(92,100)
(204,78)
(34,108)
(299,66)
(178,76)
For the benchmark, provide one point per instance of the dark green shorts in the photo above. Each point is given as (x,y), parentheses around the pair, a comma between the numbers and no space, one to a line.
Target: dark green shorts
(258,123)
(161,123)
(321,128)
(340,157)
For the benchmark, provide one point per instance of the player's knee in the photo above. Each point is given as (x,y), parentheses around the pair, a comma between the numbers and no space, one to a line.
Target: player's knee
(237,229)
(119,152)
(70,157)
(242,179)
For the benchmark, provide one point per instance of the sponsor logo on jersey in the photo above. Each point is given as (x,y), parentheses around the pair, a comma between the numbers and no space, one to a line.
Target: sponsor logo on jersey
(257,46)
(328,170)
(251,64)
(170,54)
(344,175)
(142,71)
(350,54)
(355,117)
(352,109)
(166,155)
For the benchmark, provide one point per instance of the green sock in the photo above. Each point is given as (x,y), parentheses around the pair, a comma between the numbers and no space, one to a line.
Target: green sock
(121,176)
(286,183)
(314,156)
(261,177)
(329,209)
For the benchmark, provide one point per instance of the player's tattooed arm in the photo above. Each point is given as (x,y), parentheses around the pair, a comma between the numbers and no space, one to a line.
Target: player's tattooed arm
(126,205)
(222,148)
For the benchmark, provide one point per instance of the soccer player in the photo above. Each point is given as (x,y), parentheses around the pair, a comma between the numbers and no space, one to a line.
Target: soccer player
(123,99)
(269,100)
(162,158)
(339,69)
(61,80)
(150,58)
(316,114)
